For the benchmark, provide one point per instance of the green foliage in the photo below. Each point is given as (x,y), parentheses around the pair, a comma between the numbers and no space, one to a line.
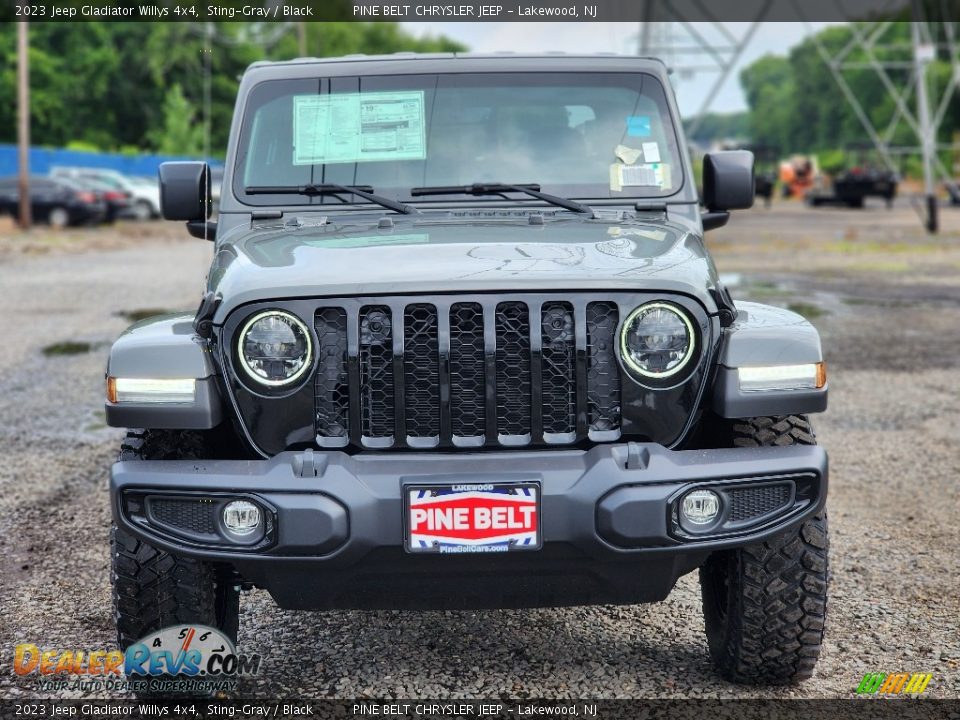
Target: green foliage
(81,146)
(768,85)
(112,85)
(722,126)
(832,161)
(796,105)
(181,132)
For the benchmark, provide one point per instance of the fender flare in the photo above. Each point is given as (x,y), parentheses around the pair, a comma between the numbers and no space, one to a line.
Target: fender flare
(764,335)
(165,347)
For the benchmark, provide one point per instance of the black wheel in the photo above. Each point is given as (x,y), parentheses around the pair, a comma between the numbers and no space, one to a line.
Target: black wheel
(764,605)
(153,589)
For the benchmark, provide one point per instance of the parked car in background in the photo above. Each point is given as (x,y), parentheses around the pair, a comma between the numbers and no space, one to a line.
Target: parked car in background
(119,203)
(145,198)
(145,180)
(56,201)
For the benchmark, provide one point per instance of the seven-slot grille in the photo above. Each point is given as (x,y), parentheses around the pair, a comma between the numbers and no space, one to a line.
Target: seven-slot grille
(393,373)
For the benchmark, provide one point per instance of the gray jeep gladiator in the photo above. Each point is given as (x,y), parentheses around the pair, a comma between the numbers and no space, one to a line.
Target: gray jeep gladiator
(462,346)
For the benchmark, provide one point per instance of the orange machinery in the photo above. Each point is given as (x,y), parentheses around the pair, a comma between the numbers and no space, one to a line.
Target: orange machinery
(798,175)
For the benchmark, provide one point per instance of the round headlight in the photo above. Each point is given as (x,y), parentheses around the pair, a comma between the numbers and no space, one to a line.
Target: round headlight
(657,340)
(274,348)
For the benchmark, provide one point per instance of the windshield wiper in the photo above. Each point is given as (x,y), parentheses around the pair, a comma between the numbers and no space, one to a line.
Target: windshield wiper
(533,190)
(364,191)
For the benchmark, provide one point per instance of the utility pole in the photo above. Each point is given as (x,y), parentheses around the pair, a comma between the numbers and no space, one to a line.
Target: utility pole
(23,125)
(922,54)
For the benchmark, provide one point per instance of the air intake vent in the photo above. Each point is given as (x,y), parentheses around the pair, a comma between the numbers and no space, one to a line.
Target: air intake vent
(748,503)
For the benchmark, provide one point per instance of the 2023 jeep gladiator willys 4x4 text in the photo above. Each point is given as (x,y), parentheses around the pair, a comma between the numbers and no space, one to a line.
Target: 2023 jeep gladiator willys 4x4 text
(462,345)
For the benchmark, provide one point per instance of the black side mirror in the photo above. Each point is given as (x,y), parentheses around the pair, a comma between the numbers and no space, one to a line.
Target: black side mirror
(728,184)
(185,195)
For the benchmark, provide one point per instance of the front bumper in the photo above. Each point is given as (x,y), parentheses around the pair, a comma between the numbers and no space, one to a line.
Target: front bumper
(335,530)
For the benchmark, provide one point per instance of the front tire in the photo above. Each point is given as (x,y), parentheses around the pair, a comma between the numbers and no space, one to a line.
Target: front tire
(153,589)
(764,605)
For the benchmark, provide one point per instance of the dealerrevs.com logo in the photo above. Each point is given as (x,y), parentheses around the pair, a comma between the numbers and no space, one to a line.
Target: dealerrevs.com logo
(893,684)
(179,658)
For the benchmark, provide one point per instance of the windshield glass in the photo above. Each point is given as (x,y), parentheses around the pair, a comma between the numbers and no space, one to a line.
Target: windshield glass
(577,135)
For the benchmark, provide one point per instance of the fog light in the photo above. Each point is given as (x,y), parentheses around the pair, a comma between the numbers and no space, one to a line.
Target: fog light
(700,507)
(241,517)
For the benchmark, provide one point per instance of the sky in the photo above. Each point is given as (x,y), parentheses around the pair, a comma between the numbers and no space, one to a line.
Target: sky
(691,87)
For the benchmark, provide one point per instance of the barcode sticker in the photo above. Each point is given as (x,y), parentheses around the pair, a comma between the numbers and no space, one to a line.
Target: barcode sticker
(632,175)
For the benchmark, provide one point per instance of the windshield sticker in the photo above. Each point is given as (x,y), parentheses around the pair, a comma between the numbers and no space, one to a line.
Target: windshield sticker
(370,240)
(647,175)
(638,125)
(629,155)
(358,127)
(651,152)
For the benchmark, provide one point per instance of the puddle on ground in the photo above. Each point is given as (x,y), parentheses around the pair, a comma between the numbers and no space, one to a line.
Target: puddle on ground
(67,347)
(811,304)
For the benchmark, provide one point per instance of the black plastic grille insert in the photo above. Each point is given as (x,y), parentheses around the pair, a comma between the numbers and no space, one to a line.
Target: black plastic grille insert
(464,373)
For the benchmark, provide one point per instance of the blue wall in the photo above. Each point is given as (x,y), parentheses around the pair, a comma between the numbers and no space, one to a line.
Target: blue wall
(42,159)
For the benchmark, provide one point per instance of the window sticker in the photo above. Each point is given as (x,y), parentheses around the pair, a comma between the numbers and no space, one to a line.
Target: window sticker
(651,152)
(628,155)
(655,175)
(358,127)
(646,175)
(638,125)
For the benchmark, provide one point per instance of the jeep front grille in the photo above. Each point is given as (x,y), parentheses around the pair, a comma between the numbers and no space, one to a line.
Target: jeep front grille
(466,373)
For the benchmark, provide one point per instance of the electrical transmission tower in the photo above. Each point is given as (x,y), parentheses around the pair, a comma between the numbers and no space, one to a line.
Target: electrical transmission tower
(900,61)
(919,106)
(691,48)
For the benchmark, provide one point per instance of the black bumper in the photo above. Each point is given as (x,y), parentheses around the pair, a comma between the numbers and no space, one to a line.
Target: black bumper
(608,520)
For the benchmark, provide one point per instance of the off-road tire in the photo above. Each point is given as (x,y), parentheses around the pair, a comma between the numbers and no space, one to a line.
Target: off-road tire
(764,605)
(153,589)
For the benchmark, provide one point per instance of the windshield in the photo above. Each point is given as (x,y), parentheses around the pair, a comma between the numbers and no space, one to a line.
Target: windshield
(577,135)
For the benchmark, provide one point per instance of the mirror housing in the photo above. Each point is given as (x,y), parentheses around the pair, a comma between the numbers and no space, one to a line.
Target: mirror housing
(728,182)
(185,191)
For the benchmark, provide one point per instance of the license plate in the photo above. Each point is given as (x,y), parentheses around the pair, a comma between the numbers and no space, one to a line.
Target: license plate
(472,517)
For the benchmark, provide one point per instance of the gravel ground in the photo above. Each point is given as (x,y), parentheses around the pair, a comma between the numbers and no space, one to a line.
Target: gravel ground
(886,299)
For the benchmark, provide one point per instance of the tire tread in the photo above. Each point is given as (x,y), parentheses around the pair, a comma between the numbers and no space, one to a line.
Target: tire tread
(772,631)
(153,589)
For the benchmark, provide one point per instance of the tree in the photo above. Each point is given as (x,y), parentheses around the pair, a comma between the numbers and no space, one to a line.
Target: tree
(115,85)
(180,134)
(797,106)
(769,87)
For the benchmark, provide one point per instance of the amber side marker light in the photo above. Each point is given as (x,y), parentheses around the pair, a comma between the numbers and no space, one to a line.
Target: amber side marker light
(151,390)
(810,376)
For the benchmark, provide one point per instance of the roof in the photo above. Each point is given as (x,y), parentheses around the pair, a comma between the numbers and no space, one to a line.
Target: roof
(413,63)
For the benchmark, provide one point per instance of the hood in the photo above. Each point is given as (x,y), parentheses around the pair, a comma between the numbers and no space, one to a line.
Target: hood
(424,255)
